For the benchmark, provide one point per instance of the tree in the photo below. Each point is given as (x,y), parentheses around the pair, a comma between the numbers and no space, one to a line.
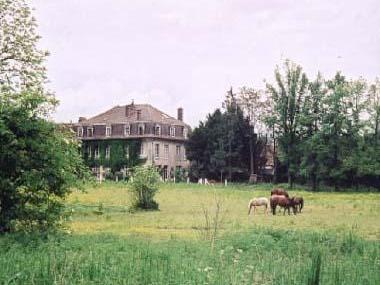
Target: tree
(143,186)
(219,146)
(287,95)
(256,108)
(374,109)
(39,161)
(21,62)
(310,121)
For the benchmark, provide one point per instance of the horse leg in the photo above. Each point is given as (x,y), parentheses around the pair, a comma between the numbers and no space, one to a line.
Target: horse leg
(249,209)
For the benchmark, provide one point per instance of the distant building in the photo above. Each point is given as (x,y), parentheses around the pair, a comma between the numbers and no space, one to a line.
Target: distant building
(119,138)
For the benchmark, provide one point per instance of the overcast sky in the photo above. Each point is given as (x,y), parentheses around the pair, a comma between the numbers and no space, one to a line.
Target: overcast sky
(172,53)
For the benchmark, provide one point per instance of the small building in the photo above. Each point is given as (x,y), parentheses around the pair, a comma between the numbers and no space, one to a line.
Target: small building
(120,138)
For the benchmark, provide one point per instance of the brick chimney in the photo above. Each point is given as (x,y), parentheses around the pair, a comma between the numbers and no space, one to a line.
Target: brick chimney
(180,114)
(129,109)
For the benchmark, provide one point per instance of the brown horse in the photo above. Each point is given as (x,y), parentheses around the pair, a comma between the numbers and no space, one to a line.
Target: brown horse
(284,202)
(299,203)
(279,191)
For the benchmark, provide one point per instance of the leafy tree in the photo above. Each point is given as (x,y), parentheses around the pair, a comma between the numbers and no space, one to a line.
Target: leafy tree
(374,109)
(39,161)
(143,186)
(287,95)
(21,62)
(256,107)
(219,147)
(310,122)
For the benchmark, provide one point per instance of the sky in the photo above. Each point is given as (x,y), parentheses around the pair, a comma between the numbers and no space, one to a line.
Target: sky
(181,53)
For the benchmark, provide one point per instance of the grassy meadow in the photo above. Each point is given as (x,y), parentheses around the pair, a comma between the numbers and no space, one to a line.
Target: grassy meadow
(335,240)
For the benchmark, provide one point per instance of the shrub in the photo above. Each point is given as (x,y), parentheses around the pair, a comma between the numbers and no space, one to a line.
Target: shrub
(143,186)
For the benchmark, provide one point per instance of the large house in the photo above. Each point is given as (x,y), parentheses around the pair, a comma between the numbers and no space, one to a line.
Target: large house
(118,139)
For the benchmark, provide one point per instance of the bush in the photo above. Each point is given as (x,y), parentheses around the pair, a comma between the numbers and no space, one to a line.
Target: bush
(143,186)
(39,165)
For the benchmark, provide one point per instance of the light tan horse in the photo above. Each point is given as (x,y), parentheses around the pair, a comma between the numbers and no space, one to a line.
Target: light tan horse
(255,202)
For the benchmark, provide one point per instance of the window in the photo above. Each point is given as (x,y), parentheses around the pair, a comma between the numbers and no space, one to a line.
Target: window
(108,152)
(89,154)
(142,149)
(108,131)
(138,115)
(157,130)
(166,151)
(96,153)
(178,151)
(184,154)
(126,151)
(156,151)
(127,130)
(141,130)
(172,131)
(185,133)
(90,132)
(80,132)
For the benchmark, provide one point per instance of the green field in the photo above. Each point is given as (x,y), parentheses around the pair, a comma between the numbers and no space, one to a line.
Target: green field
(338,233)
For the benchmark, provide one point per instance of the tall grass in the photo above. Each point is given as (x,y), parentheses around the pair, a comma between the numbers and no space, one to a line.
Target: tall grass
(260,256)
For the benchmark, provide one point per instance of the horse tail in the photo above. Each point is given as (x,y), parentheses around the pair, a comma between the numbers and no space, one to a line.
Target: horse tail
(249,206)
(301,205)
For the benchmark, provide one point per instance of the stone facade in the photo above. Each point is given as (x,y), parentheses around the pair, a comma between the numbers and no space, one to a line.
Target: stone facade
(161,137)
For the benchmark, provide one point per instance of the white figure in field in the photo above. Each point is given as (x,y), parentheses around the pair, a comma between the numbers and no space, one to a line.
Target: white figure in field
(206,182)
(200,181)
(256,202)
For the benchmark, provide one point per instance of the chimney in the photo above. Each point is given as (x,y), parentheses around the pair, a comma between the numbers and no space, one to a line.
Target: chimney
(81,119)
(129,109)
(180,114)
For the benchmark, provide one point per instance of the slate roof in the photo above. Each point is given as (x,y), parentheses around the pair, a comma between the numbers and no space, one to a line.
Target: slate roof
(118,115)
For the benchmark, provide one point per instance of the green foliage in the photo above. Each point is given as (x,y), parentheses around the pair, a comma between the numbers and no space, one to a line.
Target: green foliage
(143,186)
(327,129)
(288,95)
(22,69)
(39,163)
(124,153)
(219,147)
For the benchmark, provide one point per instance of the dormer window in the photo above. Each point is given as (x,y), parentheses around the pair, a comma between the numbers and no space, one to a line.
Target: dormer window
(141,130)
(80,132)
(90,132)
(172,131)
(157,130)
(108,131)
(127,130)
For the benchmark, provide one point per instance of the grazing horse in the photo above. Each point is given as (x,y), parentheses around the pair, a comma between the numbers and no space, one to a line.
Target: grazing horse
(255,202)
(284,202)
(279,191)
(299,203)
